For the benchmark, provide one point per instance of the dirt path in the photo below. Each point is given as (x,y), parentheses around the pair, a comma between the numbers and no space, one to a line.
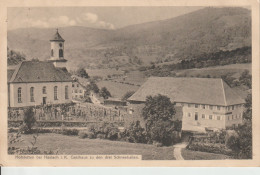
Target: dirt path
(177,150)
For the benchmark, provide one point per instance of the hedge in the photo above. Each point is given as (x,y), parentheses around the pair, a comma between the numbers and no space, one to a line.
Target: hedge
(209,147)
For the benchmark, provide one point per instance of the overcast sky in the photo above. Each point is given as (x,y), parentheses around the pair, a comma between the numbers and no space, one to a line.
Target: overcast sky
(96,17)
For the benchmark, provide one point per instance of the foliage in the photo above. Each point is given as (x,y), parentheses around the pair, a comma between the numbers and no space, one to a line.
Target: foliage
(69,132)
(239,55)
(104,93)
(14,57)
(135,133)
(28,121)
(244,143)
(127,95)
(246,79)
(92,87)
(247,115)
(209,147)
(81,72)
(158,114)
(158,108)
(16,138)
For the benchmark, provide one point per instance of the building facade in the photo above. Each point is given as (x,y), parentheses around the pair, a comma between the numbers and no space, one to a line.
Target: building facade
(201,103)
(78,90)
(34,83)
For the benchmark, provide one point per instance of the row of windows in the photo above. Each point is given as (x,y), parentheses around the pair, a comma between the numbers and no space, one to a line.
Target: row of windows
(81,96)
(44,91)
(233,117)
(204,116)
(74,85)
(76,91)
(214,117)
(211,107)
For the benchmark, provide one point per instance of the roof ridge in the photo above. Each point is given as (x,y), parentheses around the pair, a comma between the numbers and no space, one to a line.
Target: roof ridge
(16,71)
(225,100)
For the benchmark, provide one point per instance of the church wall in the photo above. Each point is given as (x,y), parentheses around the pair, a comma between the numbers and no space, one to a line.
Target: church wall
(38,93)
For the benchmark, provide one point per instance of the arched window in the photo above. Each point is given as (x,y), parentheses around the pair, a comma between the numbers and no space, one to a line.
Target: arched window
(52,52)
(44,90)
(60,53)
(19,95)
(55,93)
(32,94)
(66,92)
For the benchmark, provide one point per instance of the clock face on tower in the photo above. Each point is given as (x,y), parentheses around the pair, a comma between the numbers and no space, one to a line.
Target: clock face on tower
(60,45)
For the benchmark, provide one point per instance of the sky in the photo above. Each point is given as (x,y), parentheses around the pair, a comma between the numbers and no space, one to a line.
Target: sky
(95,17)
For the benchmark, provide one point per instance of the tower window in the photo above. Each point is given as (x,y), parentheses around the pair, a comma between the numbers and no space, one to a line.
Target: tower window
(60,53)
(52,52)
(19,95)
(60,45)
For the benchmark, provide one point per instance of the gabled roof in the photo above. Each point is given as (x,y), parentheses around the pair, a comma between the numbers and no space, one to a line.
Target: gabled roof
(211,91)
(57,37)
(37,71)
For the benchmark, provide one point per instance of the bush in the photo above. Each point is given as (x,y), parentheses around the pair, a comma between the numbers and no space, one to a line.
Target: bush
(135,133)
(91,135)
(23,129)
(101,136)
(83,134)
(69,132)
(28,121)
(210,147)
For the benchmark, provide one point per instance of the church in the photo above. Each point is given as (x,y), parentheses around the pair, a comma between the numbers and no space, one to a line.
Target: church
(33,83)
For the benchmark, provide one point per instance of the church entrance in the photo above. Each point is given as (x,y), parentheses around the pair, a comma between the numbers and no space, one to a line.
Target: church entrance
(44,100)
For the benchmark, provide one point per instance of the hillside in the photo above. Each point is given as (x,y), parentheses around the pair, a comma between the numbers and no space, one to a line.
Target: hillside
(204,31)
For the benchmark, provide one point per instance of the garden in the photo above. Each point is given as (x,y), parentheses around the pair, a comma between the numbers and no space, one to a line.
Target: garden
(160,133)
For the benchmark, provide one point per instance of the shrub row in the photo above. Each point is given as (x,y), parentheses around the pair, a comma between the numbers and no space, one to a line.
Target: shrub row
(210,147)
(17,124)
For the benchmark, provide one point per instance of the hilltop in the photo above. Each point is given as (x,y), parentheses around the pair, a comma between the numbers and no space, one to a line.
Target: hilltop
(204,31)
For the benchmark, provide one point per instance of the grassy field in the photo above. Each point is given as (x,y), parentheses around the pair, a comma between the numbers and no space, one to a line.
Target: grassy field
(72,145)
(234,69)
(196,155)
(117,90)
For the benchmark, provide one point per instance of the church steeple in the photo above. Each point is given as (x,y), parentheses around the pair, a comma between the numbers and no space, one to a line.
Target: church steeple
(57,50)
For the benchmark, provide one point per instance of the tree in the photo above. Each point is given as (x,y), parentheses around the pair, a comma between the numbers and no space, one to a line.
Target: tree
(104,93)
(28,121)
(93,87)
(158,114)
(244,132)
(14,57)
(246,79)
(127,95)
(81,72)
(247,115)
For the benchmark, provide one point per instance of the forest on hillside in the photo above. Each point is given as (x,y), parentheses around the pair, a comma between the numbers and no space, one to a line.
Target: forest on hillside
(220,58)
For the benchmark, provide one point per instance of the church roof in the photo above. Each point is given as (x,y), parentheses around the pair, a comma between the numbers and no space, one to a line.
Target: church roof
(211,91)
(57,37)
(37,71)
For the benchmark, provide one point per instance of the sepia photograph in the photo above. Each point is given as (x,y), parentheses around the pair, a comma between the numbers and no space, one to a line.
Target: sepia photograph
(129,83)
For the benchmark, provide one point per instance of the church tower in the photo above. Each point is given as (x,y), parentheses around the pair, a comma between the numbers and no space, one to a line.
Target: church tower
(57,51)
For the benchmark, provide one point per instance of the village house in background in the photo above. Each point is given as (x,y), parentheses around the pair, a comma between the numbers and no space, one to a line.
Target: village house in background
(201,103)
(34,83)
(79,87)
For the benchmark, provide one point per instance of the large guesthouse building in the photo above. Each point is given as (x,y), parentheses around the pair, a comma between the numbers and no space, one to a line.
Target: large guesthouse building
(41,82)
(200,102)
